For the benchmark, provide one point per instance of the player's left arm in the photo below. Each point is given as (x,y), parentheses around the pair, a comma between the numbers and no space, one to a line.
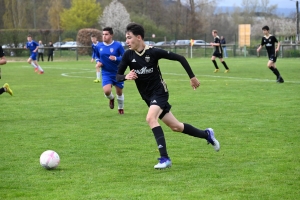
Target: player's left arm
(37,47)
(278,46)
(176,57)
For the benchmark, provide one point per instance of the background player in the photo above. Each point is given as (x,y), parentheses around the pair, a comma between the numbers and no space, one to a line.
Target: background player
(111,53)
(96,57)
(218,52)
(269,41)
(33,46)
(5,87)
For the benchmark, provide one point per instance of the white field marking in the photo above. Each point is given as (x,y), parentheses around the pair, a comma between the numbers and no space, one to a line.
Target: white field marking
(174,74)
(236,78)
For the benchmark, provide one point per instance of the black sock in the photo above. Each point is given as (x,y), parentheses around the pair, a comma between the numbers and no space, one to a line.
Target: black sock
(192,131)
(275,71)
(160,140)
(2,90)
(224,63)
(215,63)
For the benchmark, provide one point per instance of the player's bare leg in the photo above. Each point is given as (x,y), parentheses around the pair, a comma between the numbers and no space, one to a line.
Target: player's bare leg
(108,94)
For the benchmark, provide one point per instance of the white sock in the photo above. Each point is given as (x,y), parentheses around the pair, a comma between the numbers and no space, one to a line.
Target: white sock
(98,75)
(40,68)
(111,96)
(32,63)
(120,101)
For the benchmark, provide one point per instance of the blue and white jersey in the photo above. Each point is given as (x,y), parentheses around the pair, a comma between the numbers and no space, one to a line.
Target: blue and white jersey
(96,53)
(114,49)
(32,45)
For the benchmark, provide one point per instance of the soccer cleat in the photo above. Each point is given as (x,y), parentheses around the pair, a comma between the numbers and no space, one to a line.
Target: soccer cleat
(41,72)
(121,111)
(36,69)
(163,163)
(7,89)
(226,71)
(112,103)
(280,80)
(212,140)
(97,81)
(216,70)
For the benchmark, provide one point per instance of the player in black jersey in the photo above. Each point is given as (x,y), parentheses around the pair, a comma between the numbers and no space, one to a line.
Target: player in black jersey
(5,87)
(218,53)
(144,69)
(269,41)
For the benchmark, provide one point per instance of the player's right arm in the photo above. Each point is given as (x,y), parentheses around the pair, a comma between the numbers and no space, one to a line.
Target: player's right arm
(2,57)
(122,68)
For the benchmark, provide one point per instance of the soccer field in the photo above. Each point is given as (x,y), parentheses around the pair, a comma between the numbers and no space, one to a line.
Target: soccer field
(105,155)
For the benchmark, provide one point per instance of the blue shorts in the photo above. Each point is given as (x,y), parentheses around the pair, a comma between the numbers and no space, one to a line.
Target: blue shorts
(111,79)
(33,56)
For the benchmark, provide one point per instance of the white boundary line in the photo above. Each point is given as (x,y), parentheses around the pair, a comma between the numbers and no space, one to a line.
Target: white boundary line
(231,78)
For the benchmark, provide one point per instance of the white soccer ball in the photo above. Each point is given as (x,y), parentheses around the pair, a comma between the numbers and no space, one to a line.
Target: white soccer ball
(49,159)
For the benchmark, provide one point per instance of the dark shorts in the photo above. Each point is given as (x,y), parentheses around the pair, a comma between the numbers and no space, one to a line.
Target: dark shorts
(218,54)
(160,99)
(273,58)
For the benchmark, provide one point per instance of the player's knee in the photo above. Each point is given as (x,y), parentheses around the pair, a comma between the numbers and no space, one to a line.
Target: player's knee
(151,120)
(175,128)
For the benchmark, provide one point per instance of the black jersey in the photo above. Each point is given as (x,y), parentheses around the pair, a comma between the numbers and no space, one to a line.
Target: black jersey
(218,49)
(1,52)
(145,65)
(270,44)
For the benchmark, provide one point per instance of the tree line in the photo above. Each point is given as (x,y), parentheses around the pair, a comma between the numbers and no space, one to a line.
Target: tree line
(170,19)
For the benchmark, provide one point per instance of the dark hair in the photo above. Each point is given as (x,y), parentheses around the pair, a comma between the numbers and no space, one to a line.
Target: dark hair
(136,29)
(28,35)
(265,28)
(93,35)
(109,29)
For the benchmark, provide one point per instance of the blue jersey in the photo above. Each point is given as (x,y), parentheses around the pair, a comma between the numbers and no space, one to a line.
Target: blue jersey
(96,52)
(110,67)
(32,45)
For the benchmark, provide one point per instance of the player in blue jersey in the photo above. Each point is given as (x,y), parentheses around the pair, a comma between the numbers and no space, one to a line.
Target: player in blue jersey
(96,56)
(111,53)
(33,46)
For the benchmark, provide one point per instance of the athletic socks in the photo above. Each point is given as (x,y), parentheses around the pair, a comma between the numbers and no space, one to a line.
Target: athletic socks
(111,96)
(225,65)
(275,71)
(192,131)
(215,63)
(2,90)
(41,70)
(120,101)
(98,75)
(32,63)
(160,140)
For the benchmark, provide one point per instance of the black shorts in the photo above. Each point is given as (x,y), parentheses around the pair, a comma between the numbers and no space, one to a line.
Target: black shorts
(160,98)
(218,54)
(273,58)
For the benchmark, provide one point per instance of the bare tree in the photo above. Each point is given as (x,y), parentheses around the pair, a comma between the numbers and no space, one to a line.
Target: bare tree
(116,16)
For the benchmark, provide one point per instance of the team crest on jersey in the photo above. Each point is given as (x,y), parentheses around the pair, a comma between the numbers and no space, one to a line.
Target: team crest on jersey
(111,50)
(147,58)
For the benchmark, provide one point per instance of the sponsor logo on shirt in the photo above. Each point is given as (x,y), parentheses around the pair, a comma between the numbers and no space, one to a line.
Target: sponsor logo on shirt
(144,70)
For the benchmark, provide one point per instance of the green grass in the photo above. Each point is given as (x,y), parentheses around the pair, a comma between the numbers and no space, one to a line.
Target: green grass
(108,156)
